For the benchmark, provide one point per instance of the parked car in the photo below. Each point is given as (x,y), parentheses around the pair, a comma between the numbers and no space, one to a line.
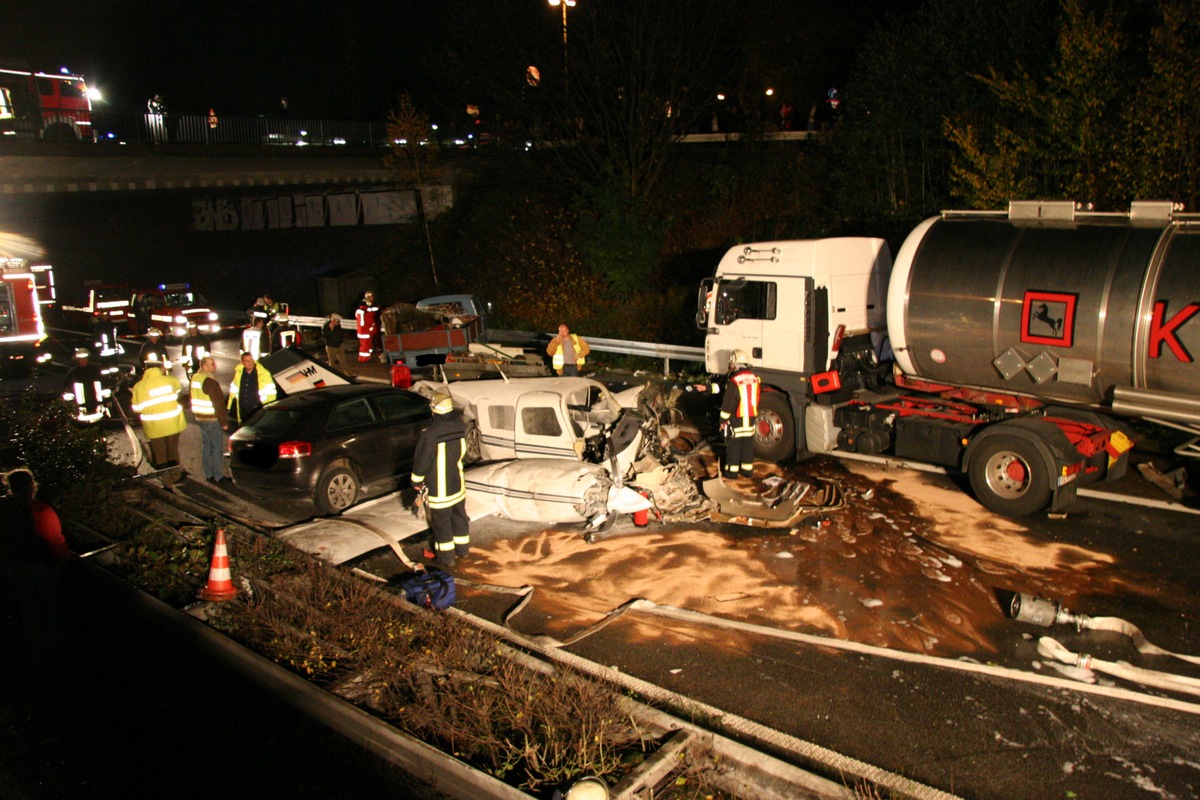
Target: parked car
(335,445)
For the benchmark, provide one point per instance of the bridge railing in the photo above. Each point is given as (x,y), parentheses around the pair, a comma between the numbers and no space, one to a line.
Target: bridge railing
(203,129)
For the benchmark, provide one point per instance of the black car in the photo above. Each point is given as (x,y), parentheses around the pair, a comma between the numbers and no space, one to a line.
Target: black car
(333,444)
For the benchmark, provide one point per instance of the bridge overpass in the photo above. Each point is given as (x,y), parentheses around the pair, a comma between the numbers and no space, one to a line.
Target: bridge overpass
(38,168)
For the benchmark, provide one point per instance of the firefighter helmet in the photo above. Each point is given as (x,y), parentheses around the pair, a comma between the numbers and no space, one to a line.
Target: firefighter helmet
(738,358)
(82,352)
(153,332)
(588,788)
(281,317)
(442,403)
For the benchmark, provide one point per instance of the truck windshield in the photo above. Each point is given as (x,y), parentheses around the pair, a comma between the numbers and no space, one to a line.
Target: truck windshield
(743,299)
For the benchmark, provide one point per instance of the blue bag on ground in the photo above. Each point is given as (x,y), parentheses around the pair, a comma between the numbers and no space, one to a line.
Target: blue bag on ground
(431,588)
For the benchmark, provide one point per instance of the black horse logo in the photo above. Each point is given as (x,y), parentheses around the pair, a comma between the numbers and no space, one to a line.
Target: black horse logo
(1043,315)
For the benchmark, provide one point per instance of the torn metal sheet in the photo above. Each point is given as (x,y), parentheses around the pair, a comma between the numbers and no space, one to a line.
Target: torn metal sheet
(771,512)
(339,539)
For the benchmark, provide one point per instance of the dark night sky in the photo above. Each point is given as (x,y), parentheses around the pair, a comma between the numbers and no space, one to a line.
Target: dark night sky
(326,58)
(352,58)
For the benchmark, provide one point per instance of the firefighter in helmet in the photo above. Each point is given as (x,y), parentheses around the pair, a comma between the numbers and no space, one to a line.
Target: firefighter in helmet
(195,346)
(739,410)
(155,399)
(83,388)
(154,351)
(437,468)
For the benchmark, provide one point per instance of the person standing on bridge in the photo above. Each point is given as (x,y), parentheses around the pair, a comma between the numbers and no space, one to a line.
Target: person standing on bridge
(437,469)
(156,400)
(366,320)
(252,388)
(334,337)
(568,351)
(208,406)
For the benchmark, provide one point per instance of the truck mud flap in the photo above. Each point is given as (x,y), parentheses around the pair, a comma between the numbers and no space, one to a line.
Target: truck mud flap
(823,495)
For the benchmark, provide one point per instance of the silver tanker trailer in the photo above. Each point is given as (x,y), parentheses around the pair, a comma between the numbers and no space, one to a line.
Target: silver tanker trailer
(1007,345)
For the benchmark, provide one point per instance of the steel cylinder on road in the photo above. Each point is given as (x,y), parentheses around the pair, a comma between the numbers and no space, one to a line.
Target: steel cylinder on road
(1068,310)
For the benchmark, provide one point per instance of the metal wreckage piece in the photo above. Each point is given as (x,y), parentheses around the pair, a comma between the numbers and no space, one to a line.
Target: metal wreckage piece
(560,490)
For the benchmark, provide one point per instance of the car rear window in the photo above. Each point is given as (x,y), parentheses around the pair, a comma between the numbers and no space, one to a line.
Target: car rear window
(402,407)
(274,422)
(351,413)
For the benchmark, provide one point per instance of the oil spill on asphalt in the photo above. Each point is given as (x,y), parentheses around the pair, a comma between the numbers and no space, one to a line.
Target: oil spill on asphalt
(907,564)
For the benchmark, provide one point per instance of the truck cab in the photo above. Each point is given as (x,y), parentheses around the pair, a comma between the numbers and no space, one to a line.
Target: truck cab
(171,307)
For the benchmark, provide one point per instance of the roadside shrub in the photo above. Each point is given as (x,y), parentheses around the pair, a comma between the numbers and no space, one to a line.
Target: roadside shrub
(69,460)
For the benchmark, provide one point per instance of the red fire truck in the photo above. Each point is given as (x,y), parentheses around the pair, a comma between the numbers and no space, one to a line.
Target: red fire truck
(21,327)
(39,105)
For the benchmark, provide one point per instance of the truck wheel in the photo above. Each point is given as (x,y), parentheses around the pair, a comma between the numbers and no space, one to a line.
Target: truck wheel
(1009,476)
(337,490)
(775,429)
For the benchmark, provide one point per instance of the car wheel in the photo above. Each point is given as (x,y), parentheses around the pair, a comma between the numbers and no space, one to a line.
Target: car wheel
(337,490)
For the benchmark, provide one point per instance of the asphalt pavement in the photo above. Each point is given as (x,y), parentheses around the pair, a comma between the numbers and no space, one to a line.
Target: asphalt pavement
(913,568)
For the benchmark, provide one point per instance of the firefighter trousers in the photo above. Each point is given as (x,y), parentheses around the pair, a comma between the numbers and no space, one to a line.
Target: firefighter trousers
(451,530)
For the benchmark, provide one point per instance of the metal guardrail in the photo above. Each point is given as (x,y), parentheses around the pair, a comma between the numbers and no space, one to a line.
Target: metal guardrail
(619,346)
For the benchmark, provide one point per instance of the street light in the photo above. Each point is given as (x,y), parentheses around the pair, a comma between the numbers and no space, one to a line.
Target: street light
(565,4)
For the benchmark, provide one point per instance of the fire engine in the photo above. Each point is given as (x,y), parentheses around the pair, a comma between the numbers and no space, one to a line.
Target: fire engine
(171,307)
(39,105)
(21,326)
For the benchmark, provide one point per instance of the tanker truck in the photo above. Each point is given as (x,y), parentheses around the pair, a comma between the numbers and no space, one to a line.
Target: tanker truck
(1013,347)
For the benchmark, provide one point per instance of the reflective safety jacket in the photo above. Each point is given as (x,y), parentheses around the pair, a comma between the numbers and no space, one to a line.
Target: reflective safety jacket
(83,389)
(267,392)
(740,405)
(156,401)
(252,342)
(580,347)
(192,349)
(154,353)
(208,404)
(285,336)
(366,320)
(437,462)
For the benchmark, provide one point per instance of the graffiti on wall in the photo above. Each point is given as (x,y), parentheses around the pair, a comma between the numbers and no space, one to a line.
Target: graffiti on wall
(317,209)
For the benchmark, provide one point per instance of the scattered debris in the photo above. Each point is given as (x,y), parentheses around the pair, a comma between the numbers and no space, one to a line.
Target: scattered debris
(1173,483)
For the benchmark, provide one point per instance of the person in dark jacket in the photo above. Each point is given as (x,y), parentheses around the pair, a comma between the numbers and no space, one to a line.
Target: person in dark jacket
(154,351)
(194,347)
(437,468)
(84,388)
(252,388)
(334,337)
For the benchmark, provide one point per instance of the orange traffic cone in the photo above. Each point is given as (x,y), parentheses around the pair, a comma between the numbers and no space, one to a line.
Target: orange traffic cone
(220,583)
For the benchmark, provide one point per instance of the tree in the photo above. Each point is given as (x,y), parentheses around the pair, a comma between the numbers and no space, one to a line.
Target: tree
(890,158)
(1165,111)
(1064,135)
(408,131)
